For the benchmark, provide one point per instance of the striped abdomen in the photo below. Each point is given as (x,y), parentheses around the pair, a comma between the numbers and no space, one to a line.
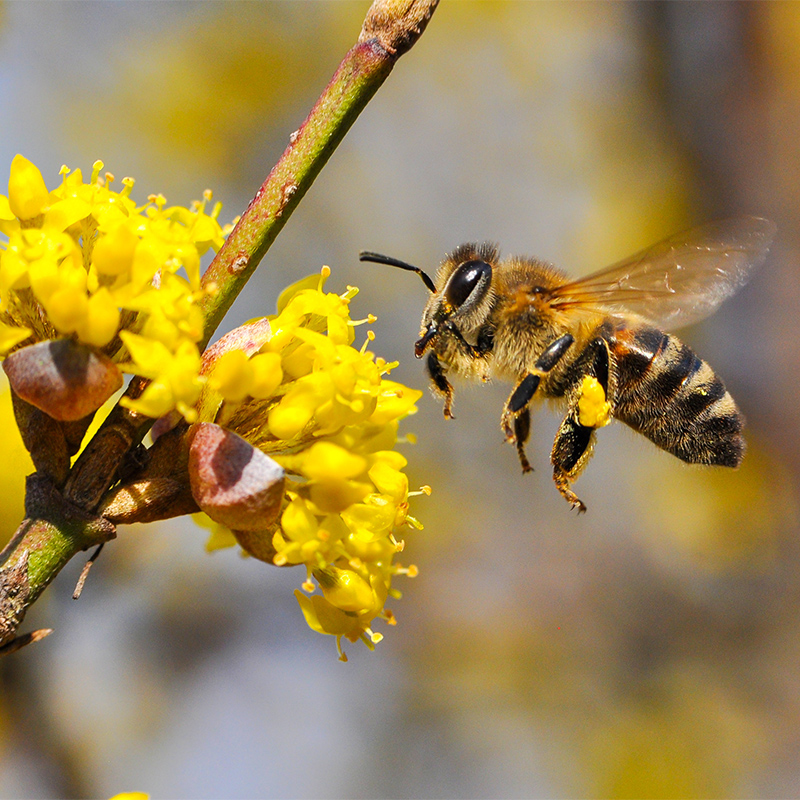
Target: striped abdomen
(674,398)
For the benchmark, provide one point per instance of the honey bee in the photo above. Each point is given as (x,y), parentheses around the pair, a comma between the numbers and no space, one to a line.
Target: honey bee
(595,343)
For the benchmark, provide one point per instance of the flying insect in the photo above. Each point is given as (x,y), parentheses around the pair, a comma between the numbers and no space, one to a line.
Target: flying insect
(595,343)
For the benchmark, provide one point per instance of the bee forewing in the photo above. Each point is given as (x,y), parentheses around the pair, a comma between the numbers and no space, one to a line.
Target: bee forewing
(679,280)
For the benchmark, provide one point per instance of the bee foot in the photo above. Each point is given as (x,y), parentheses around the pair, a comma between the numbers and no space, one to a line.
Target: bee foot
(562,484)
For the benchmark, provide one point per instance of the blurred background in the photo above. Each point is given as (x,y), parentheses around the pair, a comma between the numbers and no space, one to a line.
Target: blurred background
(649,648)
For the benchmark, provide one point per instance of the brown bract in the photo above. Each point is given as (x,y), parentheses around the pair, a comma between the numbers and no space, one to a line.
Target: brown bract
(65,379)
(233,482)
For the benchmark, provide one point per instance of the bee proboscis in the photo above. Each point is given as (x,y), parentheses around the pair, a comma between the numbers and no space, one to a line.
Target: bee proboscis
(596,343)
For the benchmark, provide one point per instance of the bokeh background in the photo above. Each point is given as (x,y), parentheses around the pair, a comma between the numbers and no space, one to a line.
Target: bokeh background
(649,648)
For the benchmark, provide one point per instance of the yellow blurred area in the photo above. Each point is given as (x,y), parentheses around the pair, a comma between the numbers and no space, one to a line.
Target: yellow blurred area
(15,464)
(131,796)
(209,90)
(681,736)
(717,519)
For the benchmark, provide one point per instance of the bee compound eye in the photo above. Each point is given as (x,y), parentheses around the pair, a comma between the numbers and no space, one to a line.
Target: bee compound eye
(465,279)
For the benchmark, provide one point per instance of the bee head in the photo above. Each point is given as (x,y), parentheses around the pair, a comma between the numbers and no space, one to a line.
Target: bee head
(465,277)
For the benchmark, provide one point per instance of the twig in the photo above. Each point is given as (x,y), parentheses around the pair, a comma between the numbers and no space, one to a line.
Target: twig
(22,641)
(85,572)
(390,29)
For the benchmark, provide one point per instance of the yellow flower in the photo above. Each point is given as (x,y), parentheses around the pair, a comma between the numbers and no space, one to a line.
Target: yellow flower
(83,260)
(330,420)
(120,284)
(174,376)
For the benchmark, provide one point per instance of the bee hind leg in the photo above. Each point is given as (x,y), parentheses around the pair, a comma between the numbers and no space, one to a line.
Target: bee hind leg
(571,450)
(562,484)
(589,409)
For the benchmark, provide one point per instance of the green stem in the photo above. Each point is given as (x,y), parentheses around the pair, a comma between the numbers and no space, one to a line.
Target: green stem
(53,533)
(390,29)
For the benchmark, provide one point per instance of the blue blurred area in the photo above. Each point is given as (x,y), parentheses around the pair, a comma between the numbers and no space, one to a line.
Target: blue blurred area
(645,649)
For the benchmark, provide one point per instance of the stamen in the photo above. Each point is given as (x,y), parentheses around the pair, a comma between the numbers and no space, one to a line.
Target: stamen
(389,617)
(370,338)
(369,319)
(96,167)
(386,367)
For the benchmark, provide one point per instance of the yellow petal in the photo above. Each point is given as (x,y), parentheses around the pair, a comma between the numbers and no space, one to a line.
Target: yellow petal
(114,252)
(102,318)
(67,309)
(297,521)
(346,589)
(11,336)
(27,192)
(267,375)
(325,460)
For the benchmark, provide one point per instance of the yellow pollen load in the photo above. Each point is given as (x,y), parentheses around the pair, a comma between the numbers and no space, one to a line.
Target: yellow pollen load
(593,408)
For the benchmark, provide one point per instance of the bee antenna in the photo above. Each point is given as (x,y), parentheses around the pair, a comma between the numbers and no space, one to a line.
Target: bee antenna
(377,258)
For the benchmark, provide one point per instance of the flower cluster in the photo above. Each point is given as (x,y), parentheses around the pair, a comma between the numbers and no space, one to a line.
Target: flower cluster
(326,413)
(84,261)
(282,432)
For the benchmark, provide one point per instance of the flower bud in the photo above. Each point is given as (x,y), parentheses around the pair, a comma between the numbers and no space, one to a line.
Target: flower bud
(27,192)
(346,589)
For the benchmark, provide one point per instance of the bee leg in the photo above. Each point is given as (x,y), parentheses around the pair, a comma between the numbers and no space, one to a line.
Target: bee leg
(485,342)
(518,402)
(524,391)
(571,451)
(522,430)
(562,484)
(573,444)
(441,385)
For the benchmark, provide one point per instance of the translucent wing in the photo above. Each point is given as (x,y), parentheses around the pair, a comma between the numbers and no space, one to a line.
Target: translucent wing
(677,281)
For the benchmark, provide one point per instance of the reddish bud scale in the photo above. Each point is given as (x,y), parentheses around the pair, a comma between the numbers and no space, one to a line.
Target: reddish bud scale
(65,379)
(233,482)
